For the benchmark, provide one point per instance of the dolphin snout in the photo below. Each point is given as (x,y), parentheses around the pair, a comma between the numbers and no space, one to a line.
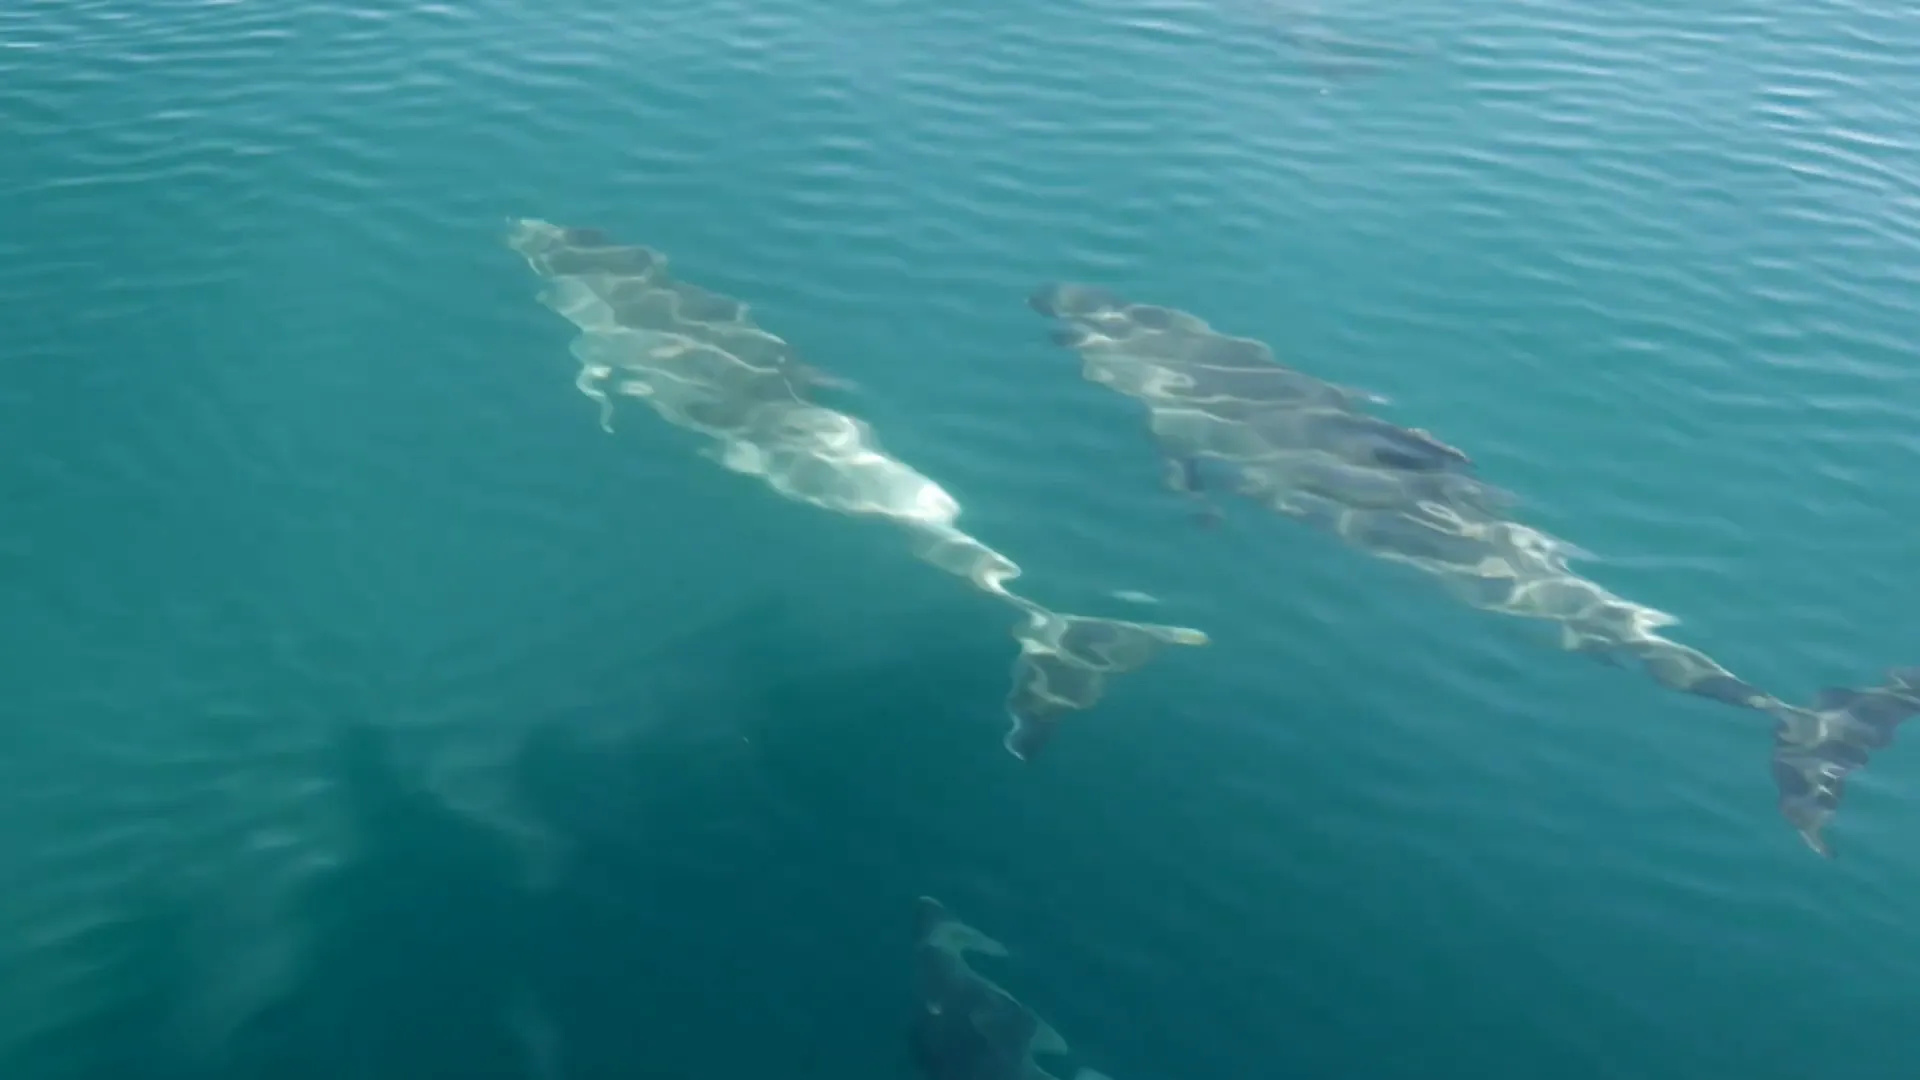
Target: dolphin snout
(1046,300)
(1066,300)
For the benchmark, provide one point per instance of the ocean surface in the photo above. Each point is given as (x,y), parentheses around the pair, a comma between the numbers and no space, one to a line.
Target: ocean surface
(367,711)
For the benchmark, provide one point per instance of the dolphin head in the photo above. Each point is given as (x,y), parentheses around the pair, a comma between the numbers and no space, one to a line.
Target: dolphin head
(1066,300)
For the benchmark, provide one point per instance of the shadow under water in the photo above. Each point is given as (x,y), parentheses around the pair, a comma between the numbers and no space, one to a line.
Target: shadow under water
(414,959)
(429,954)
(135,1026)
(420,949)
(696,827)
(697,850)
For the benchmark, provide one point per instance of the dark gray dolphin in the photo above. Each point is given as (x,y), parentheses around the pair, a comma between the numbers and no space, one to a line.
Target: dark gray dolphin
(1309,451)
(967,1027)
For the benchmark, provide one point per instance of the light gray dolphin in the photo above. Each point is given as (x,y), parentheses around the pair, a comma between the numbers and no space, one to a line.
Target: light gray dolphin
(1306,449)
(698,360)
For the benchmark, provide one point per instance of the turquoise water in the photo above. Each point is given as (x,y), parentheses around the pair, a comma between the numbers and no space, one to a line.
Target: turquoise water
(289,446)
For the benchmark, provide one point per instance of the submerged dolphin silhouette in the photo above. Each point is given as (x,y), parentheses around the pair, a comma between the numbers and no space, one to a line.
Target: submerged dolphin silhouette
(967,1027)
(1327,52)
(1304,449)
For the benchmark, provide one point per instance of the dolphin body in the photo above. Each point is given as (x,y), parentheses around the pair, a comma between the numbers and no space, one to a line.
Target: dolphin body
(1306,449)
(967,1027)
(700,362)
(1309,39)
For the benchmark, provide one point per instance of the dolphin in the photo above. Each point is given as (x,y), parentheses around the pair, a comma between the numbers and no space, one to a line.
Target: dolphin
(1301,31)
(698,360)
(967,1027)
(1311,452)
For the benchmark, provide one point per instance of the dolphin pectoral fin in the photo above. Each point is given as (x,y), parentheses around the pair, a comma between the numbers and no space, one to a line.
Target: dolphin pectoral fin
(1815,749)
(1574,640)
(815,379)
(1181,475)
(738,456)
(1601,656)
(1047,1041)
(1599,650)
(1069,335)
(1495,499)
(1572,552)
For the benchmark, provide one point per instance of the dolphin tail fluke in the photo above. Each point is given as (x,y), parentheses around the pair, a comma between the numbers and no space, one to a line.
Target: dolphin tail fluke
(1816,748)
(1064,665)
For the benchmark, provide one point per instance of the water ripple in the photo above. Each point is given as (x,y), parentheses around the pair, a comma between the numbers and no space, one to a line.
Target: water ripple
(288,440)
